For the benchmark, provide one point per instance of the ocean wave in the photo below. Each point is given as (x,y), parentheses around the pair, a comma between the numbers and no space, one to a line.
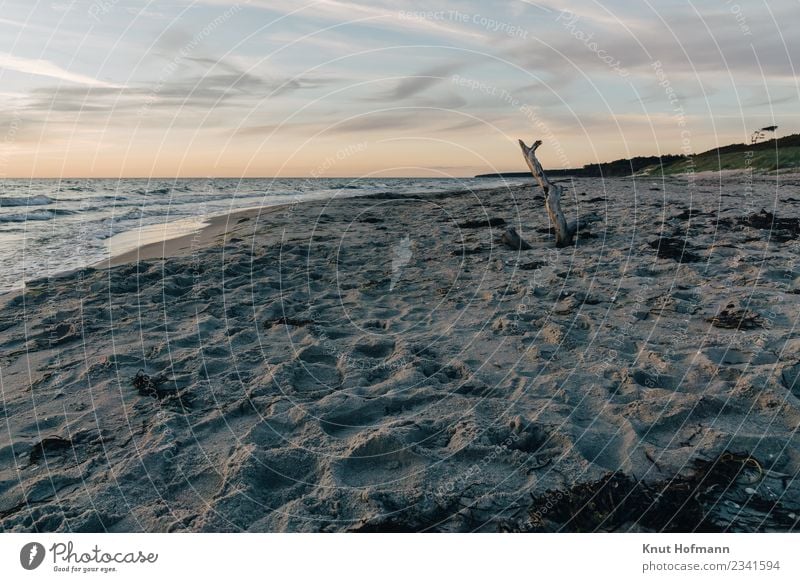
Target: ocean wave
(33,215)
(138,213)
(161,191)
(339,185)
(170,189)
(39,200)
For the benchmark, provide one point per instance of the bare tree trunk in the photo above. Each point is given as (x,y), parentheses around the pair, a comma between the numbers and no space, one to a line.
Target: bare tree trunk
(552,196)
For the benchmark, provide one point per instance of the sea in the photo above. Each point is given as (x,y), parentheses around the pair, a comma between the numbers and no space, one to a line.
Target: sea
(50,226)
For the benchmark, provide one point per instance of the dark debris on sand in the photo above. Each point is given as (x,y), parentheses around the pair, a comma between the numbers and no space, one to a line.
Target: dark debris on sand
(151,386)
(532,266)
(146,385)
(466,251)
(690,213)
(55,448)
(780,229)
(290,321)
(731,493)
(676,249)
(49,446)
(485,223)
(369,219)
(732,318)
(514,241)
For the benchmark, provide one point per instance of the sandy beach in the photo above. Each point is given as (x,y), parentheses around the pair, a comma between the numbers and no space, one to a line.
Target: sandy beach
(385,363)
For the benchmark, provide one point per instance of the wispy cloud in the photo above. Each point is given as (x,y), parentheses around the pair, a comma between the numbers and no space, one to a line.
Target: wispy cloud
(412,85)
(44,68)
(372,14)
(196,92)
(12,22)
(409,86)
(417,120)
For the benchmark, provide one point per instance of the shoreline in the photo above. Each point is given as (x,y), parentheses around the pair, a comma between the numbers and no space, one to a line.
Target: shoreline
(216,225)
(224,224)
(207,234)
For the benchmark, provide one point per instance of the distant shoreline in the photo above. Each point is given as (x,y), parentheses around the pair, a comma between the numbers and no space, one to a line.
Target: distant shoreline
(738,156)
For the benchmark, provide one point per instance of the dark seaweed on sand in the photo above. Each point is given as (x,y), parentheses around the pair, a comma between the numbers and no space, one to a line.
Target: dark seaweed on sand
(290,321)
(689,213)
(153,386)
(49,446)
(532,266)
(730,493)
(732,318)
(676,249)
(466,251)
(780,229)
(146,385)
(484,223)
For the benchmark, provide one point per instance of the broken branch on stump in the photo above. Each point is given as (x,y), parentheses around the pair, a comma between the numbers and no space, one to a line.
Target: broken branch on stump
(552,196)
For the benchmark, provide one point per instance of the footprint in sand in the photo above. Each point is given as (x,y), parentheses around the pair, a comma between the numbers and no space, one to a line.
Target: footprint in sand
(379,460)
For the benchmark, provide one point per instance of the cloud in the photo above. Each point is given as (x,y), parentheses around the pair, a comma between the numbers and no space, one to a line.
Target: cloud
(10,22)
(375,14)
(412,85)
(382,122)
(44,68)
(763,96)
(418,120)
(696,45)
(196,91)
(408,87)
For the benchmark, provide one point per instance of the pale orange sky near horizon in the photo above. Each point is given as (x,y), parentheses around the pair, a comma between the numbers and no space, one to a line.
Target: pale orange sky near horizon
(349,155)
(218,89)
(208,163)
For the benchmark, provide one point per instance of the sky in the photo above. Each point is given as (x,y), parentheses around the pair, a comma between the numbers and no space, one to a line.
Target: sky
(330,88)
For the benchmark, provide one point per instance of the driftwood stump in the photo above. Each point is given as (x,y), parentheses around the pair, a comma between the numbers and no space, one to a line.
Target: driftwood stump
(552,196)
